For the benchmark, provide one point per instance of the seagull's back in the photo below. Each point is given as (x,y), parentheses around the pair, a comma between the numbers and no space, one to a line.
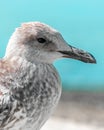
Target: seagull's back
(28,94)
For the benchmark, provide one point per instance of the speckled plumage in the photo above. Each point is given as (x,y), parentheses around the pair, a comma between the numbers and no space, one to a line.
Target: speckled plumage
(30,87)
(31,94)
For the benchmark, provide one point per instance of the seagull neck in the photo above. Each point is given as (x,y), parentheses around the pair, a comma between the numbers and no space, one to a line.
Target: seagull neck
(18,61)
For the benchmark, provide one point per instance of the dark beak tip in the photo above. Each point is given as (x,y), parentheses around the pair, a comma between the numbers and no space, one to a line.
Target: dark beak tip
(93,60)
(89,58)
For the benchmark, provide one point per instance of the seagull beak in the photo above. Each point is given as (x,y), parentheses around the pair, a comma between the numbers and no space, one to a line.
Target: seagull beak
(75,53)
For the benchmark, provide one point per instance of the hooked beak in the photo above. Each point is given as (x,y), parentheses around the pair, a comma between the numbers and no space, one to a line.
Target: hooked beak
(75,53)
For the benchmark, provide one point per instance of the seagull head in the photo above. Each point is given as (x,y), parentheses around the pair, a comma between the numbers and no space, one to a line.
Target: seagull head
(38,42)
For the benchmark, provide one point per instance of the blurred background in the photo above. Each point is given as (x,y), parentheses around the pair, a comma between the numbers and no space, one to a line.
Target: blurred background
(81,22)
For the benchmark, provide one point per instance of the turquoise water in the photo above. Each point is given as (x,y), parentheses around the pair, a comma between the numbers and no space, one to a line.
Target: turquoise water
(81,23)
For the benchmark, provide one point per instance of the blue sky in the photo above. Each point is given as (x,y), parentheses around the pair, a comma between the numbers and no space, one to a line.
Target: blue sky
(81,22)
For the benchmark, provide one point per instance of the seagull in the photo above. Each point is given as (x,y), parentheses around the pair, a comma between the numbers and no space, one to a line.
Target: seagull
(30,86)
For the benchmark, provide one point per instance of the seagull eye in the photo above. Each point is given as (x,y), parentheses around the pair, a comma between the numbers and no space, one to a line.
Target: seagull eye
(41,40)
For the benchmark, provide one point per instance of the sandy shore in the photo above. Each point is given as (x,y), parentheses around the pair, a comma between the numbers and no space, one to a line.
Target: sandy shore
(62,124)
(78,111)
